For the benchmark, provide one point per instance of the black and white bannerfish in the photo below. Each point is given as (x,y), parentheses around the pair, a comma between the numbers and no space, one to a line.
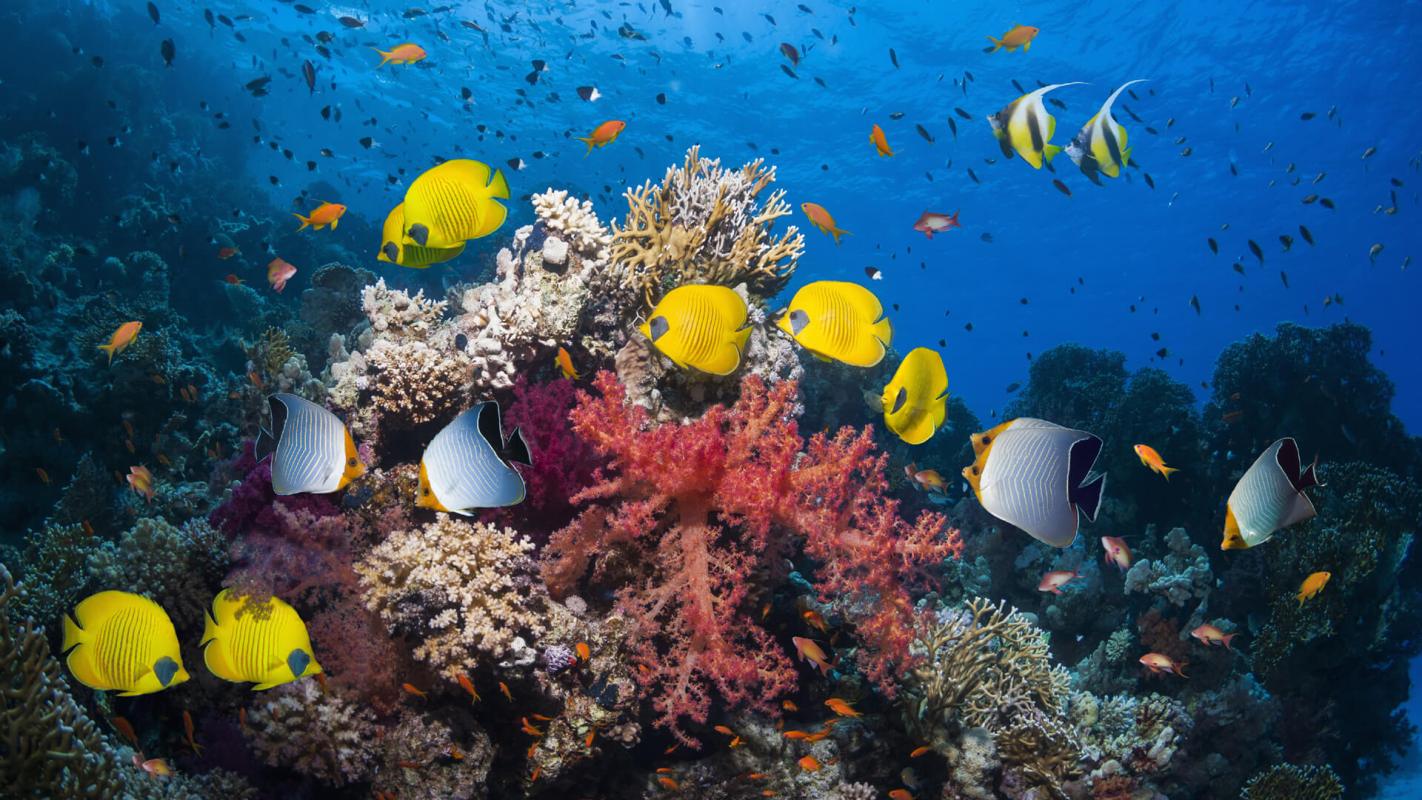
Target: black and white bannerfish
(1100,148)
(1025,126)
(311,449)
(469,464)
(1270,497)
(1037,475)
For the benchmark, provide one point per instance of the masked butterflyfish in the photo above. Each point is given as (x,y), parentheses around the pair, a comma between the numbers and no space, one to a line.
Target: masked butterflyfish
(701,327)
(1025,126)
(261,643)
(395,250)
(469,464)
(916,400)
(1269,498)
(1037,475)
(1100,146)
(453,202)
(311,449)
(838,321)
(117,641)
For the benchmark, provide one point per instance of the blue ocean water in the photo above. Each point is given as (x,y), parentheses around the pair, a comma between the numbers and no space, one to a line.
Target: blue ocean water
(1263,124)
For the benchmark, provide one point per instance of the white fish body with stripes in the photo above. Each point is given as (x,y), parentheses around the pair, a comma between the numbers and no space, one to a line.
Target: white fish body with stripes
(1036,475)
(470,464)
(1269,497)
(311,449)
(1100,148)
(1024,126)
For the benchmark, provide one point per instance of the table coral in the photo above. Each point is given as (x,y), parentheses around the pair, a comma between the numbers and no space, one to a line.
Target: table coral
(706,224)
(317,733)
(464,592)
(684,541)
(48,746)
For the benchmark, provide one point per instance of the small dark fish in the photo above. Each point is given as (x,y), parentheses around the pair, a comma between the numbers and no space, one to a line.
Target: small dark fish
(366,142)
(1256,250)
(894,57)
(1061,187)
(788,71)
(1195,304)
(1018,86)
(986,237)
(169,52)
(588,93)
(1287,241)
(1214,246)
(1326,203)
(874,273)
(924,133)
(661,98)
(1307,115)
(973,175)
(516,164)
(790,52)
(325,112)
(1369,152)
(1307,236)
(308,71)
(207,15)
(1148,179)
(953,126)
(1237,267)
(1187,151)
(351,22)
(153,13)
(896,115)
(305,9)
(960,112)
(1310,199)
(1012,387)
(1284,276)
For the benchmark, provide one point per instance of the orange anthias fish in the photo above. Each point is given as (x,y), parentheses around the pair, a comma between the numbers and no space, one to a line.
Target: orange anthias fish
(188,729)
(411,688)
(1312,585)
(822,220)
(900,794)
(583,651)
(668,783)
(929,480)
(156,767)
(142,482)
(122,338)
(603,135)
(1159,664)
(815,620)
(919,752)
(233,279)
(325,214)
(809,763)
(841,707)
(565,364)
(279,271)
(43,475)
(1153,460)
(876,136)
(468,686)
(529,728)
(125,728)
(1020,36)
(407,53)
(790,52)
(789,705)
(504,687)
(1117,552)
(809,651)
(930,223)
(225,253)
(1054,581)
(1210,636)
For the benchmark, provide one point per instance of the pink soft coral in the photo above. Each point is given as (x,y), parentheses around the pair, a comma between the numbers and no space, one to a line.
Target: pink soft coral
(693,521)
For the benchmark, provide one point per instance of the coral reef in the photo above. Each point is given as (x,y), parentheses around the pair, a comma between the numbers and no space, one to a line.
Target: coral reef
(318,733)
(468,593)
(706,224)
(1180,576)
(1293,782)
(446,765)
(173,566)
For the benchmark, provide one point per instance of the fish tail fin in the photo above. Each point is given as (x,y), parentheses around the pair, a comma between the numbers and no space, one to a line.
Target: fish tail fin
(1166,471)
(589,142)
(1049,152)
(384,57)
(499,185)
(1309,477)
(305,221)
(997,44)
(516,449)
(1088,496)
(1227,638)
(1179,670)
(837,232)
(73,634)
(108,348)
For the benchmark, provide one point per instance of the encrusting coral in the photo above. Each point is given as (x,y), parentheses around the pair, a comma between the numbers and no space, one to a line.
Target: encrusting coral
(467,593)
(692,522)
(706,224)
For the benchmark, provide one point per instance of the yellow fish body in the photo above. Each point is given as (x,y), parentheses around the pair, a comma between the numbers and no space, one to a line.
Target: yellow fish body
(124,642)
(1100,147)
(1312,585)
(701,327)
(267,646)
(395,250)
(1025,127)
(916,400)
(454,202)
(838,321)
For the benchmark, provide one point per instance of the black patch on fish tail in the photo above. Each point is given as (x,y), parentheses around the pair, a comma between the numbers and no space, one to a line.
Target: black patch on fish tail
(515,449)
(391,251)
(420,233)
(1086,496)
(1291,463)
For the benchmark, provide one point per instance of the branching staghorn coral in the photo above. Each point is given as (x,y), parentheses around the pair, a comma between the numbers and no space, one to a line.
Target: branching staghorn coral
(706,224)
(48,746)
(1291,782)
(318,733)
(987,666)
(464,591)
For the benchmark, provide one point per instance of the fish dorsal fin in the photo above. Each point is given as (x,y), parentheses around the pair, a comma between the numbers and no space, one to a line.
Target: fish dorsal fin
(516,449)
(491,425)
(1110,101)
(1286,455)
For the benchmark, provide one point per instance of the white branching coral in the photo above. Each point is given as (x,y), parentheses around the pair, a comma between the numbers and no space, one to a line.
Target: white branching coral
(318,733)
(463,591)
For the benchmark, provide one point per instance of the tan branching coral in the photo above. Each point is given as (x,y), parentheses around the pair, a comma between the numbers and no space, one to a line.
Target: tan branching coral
(48,746)
(319,733)
(462,590)
(706,224)
(988,666)
(174,566)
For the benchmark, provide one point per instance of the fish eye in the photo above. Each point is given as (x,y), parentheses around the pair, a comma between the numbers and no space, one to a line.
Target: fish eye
(351,463)
(425,491)
(975,470)
(987,439)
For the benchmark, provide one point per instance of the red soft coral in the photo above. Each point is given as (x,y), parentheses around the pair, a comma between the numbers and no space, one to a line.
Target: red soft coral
(692,522)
